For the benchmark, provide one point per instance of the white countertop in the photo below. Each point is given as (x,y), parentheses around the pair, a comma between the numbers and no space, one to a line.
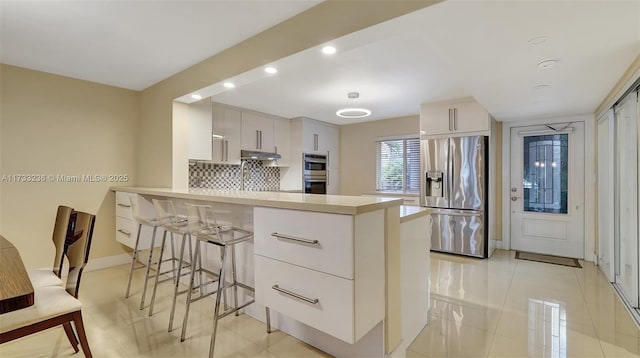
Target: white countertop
(336,204)
(391,193)
(408,212)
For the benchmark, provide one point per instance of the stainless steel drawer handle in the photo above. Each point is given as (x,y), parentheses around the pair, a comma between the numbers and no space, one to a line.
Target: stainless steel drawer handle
(124,232)
(293,294)
(124,205)
(293,238)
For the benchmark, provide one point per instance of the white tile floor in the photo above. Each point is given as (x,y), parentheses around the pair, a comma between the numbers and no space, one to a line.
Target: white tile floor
(499,307)
(503,307)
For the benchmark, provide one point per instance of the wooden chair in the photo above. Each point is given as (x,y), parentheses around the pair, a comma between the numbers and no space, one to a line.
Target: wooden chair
(56,305)
(43,277)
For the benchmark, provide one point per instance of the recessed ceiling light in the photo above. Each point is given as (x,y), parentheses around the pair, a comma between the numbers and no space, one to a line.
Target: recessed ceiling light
(547,63)
(328,50)
(196,96)
(539,40)
(229,84)
(270,70)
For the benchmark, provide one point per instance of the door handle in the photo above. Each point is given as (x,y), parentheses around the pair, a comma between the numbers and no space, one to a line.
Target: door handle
(450,119)
(455,119)
(514,198)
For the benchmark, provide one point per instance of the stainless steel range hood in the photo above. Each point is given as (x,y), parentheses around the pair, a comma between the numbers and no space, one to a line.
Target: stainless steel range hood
(250,154)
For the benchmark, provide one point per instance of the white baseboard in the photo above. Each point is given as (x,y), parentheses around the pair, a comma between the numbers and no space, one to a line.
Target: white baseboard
(107,261)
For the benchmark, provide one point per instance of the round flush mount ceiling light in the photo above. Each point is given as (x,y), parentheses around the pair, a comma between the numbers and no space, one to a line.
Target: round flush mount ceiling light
(547,63)
(270,70)
(329,50)
(353,112)
(196,96)
(229,85)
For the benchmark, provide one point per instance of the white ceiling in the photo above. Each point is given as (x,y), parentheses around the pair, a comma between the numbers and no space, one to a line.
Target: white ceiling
(450,50)
(130,43)
(457,49)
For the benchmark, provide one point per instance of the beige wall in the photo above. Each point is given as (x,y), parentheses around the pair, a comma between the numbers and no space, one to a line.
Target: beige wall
(158,163)
(620,86)
(56,125)
(358,154)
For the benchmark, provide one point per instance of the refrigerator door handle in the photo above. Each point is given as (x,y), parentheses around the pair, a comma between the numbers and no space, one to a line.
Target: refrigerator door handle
(454,212)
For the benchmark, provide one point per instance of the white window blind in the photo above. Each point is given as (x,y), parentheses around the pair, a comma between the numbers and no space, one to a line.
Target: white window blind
(398,165)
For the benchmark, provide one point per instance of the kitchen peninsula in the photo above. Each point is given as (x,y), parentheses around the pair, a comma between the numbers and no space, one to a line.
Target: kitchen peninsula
(353,273)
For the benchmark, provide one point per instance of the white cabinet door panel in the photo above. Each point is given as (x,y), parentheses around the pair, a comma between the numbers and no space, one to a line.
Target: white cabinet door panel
(333,252)
(333,313)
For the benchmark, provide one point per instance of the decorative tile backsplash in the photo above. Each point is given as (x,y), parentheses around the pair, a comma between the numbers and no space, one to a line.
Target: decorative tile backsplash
(222,176)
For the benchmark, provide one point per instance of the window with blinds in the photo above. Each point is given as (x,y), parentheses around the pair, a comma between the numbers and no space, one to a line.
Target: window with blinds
(398,165)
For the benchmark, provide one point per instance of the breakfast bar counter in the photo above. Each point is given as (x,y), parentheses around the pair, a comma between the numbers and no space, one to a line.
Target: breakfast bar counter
(335,204)
(351,272)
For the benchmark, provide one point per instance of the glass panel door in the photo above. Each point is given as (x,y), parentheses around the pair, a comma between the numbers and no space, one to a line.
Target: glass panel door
(606,194)
(545,173)
(626,239)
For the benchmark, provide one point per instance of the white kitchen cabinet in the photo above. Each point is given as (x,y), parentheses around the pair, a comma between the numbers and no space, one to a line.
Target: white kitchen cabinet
(316,137)
(127,228)
(332,143)
(333,181)
(313,137)
(456,117)
(282,142)
(257,132)
(200,130)
(322,269)
(332,253)
(227,126)
(320,138)
(333,310)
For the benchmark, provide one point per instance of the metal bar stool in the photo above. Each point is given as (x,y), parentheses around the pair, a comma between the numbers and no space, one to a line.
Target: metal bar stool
(169,220)
(203,225)
(151,222)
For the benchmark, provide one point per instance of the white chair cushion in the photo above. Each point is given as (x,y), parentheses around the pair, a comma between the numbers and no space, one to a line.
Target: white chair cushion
(49,302)
(43,277)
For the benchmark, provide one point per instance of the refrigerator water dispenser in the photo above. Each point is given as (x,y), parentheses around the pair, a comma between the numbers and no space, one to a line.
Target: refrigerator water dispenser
(434,184)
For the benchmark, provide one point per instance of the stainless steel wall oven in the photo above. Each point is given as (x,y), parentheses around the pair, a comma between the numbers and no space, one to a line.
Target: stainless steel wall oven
(314,174)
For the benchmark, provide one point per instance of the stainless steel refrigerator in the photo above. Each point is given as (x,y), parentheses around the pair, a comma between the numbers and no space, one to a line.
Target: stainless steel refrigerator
(454,185)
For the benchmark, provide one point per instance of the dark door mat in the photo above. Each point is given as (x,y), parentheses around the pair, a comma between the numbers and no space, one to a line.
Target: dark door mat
(548,259)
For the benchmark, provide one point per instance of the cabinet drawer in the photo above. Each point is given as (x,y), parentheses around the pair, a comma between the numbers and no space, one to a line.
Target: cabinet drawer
(332,233)
(126,231)
(334,311)
(123,205)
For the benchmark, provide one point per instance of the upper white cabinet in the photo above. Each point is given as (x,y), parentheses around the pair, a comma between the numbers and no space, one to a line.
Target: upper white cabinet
(321,138)
(227,124)
(218,132)
(456,117)
(200,130)
(282,142)
(316,137)
(257,132)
